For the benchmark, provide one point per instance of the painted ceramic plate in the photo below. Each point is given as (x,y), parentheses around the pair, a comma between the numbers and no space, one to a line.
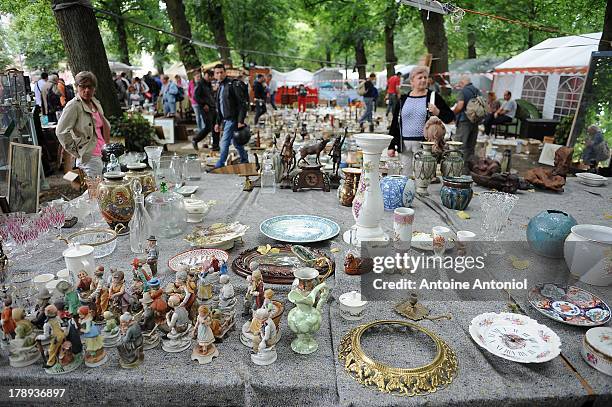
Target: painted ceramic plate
(573,306)
(217,235)
(195,257)
(515,337)
(299,228)
(424,241)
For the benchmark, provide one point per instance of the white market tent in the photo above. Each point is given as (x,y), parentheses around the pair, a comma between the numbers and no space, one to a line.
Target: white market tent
(292,78)
(381,77)
(550,75)
(176,69)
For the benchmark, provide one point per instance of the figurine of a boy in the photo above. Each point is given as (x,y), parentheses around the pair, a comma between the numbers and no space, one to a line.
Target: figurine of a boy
(152,254)
(42,299)
(8,323)
(71,298)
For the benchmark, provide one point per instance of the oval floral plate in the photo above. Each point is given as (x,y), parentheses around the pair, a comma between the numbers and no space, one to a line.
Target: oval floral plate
(195,257)
(515,337)
(299,228)
(572,306)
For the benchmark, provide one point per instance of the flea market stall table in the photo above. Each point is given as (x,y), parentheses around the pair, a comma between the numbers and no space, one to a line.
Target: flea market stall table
(319,378)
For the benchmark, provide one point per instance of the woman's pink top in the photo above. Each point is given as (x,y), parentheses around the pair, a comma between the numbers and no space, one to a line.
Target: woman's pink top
(97,152)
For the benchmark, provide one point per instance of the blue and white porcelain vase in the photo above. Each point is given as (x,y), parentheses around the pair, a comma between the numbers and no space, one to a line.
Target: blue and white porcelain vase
(456,192)
(547,231)
(398,191)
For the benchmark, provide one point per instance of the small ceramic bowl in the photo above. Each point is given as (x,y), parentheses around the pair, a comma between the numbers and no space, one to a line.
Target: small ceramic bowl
(196,210)
(592,180)
(352,305)
(597,349)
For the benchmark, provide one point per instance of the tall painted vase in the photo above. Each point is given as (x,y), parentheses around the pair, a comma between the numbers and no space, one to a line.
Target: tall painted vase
(424,167)
(115,199)
(368,206)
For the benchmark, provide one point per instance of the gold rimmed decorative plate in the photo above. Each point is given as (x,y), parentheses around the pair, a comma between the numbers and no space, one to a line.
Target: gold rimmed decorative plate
(410,382)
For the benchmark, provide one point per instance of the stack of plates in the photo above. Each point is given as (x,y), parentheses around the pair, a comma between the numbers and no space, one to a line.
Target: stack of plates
(515,337)
(592,180)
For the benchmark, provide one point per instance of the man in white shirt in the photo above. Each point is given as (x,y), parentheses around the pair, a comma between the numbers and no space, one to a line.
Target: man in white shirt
(505,114)
(38,87)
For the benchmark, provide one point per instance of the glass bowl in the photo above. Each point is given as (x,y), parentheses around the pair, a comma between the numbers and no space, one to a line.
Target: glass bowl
(103,240)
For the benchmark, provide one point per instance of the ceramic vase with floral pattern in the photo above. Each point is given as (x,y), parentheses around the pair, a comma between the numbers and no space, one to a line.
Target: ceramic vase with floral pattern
(115,199)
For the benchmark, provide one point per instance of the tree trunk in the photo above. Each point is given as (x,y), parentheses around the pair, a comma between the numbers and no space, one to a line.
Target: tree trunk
(360,58)
(471,39)
(124,52)
(390,23)
(328,55)
(216,24)
(180,26)
(530,31)
(85,50)
(435,40)
(605,44)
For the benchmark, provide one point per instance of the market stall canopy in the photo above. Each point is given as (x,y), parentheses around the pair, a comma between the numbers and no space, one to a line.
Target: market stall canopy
(292,78)
(381,77)
(479,69)
(176,69)
(570,53)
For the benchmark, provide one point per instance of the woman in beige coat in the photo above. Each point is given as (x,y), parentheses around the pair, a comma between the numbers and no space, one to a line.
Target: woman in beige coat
(82,129)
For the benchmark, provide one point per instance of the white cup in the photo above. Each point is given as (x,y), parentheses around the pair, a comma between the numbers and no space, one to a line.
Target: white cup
(51,286)
(464,236)
(64,274)
(440,236)
(402,226)
(41,280)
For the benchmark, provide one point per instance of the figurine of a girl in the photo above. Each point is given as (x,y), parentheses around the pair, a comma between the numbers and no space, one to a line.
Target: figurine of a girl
(95,355)
(8,324)
(268,304)
(99,295)
(205,349)
(84,285)
(256,289)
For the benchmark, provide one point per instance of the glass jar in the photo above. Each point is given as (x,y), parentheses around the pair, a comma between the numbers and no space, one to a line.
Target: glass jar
(176,171)
(268,176)
(193,168)
(167,211)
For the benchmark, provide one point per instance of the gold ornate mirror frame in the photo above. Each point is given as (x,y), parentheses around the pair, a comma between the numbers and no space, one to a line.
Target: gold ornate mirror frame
(401,381)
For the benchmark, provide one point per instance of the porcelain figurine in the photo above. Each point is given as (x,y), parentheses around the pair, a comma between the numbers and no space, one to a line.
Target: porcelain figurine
(71,298)
(22,349)
(62,358)
(148,326)
(184,290)
(227,298)
(247,304)
(140,284)
(95,355)
(118,296)
(42,300)
(177,326)
(305,319)
(84,284)
(99,297)
(547,231)
(130,348)
(110,333)
(251,329)
(19,316)
(268,303)
(159,304)
(152,254)
(205,349)
(8,324)
(264,352)
(256,289)
(206,278)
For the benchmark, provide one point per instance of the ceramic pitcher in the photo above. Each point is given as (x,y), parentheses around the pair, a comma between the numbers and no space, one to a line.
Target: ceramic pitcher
(79,257)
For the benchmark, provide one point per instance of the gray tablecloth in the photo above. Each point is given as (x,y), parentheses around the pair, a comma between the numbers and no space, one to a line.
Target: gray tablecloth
(319,379)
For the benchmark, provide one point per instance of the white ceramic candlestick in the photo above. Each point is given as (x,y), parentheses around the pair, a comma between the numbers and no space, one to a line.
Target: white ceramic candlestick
(368,206)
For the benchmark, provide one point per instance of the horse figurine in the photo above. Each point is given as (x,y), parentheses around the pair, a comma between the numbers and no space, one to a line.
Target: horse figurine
(312,149)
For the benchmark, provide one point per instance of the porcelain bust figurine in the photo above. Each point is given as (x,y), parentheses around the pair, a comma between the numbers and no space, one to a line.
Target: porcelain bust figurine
(305,319)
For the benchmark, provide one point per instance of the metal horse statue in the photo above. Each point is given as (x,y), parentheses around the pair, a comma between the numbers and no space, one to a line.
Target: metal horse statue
(312,149)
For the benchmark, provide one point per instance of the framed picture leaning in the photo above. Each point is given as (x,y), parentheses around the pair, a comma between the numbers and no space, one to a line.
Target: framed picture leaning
(24,177)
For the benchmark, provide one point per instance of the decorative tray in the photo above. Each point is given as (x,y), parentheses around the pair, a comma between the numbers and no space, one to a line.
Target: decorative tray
(277,262)
(515,337)
(194,258)
(571,305)
(217,235)
(299,229)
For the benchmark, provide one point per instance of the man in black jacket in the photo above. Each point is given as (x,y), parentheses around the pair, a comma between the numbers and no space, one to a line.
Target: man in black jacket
(259,92)
(231,112)
(204,96)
